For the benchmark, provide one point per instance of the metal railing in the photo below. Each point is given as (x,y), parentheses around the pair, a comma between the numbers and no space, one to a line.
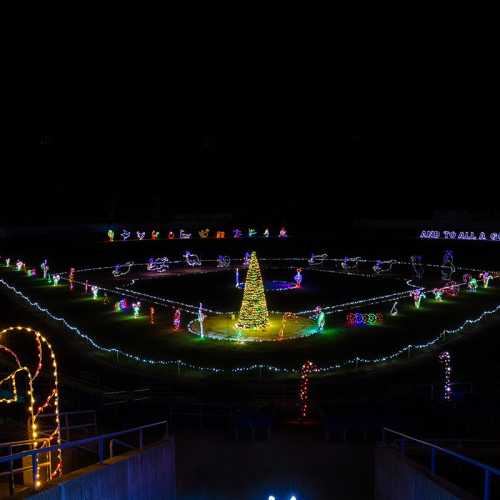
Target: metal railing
(11,472)
(488,470)
(66,426)
(77,444)
(124,397)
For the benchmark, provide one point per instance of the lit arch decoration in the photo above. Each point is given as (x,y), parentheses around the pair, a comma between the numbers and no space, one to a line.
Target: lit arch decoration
(37,404)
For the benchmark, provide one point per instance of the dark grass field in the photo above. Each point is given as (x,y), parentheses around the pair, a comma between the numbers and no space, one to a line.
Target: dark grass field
(336,344)
(216,289)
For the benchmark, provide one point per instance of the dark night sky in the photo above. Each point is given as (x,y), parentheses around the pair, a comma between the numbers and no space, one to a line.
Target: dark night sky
(287,172)
(238,171)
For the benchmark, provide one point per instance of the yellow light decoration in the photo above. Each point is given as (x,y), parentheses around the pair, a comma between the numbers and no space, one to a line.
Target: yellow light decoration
(51,401)
(253,312)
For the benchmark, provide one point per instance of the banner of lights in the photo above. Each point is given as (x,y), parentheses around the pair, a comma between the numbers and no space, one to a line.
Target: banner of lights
(206,233)
(459,235)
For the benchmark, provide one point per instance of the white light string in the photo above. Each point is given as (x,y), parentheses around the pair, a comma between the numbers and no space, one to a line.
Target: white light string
(354,361)
(242,340)
(282,259)
(328,309)
(168,301)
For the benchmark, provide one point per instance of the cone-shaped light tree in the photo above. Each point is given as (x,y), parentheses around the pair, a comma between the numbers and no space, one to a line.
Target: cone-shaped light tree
(253,312)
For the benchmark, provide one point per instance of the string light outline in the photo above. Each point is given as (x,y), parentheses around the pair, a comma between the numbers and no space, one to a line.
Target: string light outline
(271,368)
(52,398)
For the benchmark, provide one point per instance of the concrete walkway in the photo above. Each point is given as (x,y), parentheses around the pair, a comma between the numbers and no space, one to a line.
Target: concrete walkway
(216,466)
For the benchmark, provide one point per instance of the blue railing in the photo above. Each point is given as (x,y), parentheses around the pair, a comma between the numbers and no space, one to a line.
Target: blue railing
(75,444)
(488,470)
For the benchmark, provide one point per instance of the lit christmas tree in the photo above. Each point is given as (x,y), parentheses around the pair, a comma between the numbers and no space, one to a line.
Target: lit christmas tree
(253,312)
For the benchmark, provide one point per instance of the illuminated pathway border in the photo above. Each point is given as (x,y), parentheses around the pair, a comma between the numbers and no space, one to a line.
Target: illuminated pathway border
(356,361)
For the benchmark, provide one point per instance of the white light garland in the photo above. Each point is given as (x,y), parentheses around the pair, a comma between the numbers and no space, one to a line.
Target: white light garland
(452,287)
(327,369)
(270,368)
